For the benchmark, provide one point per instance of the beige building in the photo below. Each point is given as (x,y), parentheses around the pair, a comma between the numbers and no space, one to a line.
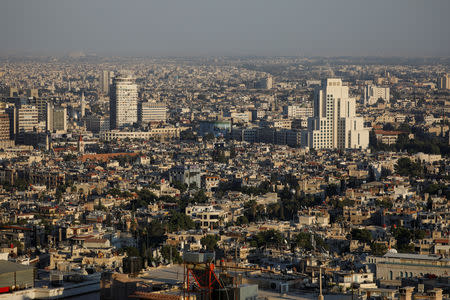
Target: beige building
(394,266)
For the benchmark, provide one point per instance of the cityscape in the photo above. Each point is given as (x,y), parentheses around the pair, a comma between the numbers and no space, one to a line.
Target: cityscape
(162,169)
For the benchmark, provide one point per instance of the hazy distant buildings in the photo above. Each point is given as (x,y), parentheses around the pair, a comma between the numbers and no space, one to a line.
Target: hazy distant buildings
(265,83)
(335,124)
(372,93)
(123,101)
(152,112)
(444,82)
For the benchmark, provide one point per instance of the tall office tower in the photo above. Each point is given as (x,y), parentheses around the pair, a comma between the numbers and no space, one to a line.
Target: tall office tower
(335,124)
(372,93)
(105,81)
(4,123)
(82,105)
(123,101)
(152,112)
(56,119)
(25,120)
(444,82)
(41,104)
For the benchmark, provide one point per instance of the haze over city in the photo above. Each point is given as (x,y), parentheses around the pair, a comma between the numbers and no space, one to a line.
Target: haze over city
(204,27)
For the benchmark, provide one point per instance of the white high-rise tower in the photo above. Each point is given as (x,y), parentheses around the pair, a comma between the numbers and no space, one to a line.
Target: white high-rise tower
(123,100)
(105,81)
(335,124)
(82,105)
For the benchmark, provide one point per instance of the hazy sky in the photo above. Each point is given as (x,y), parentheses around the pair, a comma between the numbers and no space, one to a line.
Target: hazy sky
(228,27)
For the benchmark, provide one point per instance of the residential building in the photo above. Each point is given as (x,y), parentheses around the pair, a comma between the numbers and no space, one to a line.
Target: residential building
(372,93)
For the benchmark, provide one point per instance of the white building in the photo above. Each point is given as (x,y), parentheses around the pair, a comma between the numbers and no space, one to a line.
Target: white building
(444,82)
(123,101)
(298,112)
(335,124)
(105,81)
(372,93)
(152,112)
(56,119)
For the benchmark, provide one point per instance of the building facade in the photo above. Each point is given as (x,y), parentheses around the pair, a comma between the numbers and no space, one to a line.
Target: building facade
(123,101)
(444,82)
(152,112)
(372,93)
(335,124)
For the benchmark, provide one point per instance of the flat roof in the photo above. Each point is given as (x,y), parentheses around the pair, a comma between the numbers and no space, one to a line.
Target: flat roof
(415,256)
(9,267)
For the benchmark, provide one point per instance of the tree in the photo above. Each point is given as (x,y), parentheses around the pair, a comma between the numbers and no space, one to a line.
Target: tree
(171,254)
(180,221)
(210,241)
(131,251)
(154,234)
(403,237)
(362,235)
(378,249)
(385,172)
(242,220)
(270,237)
(200,197)
(406,167)
(388,127)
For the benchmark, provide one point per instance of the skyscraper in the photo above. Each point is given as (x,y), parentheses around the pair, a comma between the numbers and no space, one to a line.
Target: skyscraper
(105,81)
(123,100)
(335,124)
(56,118)
(444,82)
(82,106)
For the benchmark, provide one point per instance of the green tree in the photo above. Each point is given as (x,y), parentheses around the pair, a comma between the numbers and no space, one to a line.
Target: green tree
(270,237)
(242,220)
(170,253)
(362,235)
(210,241)
(180,221)
(378,249)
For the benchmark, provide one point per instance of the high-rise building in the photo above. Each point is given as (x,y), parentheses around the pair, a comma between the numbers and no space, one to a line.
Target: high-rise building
(444,82)
(4,124)
(56,118)
(105,81)
(82,106)
(41,104)
(123,101)
(372,93)
(335,124)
